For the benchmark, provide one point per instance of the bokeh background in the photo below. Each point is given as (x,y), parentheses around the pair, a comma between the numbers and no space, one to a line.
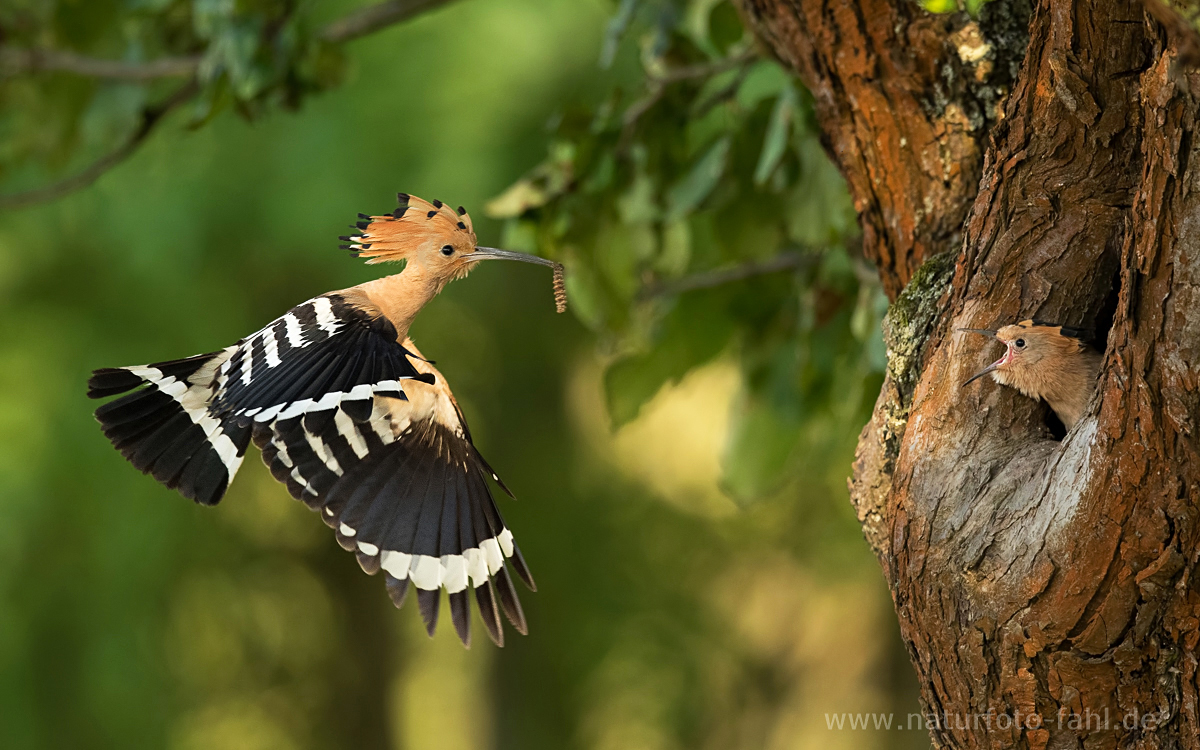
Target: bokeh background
(684,601)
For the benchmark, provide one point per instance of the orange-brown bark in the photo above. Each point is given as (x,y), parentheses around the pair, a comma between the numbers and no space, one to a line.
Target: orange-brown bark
(905,100)
(1045,588)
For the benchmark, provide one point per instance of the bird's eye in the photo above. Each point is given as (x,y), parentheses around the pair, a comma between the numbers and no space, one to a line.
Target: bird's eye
(448,250)
(1020,343)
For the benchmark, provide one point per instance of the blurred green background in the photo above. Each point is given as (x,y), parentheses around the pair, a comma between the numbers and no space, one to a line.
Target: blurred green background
(679,442)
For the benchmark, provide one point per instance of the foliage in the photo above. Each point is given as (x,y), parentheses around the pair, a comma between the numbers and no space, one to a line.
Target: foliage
(248,55)
(952,6)
(665,616)
(657,197)
(703,158)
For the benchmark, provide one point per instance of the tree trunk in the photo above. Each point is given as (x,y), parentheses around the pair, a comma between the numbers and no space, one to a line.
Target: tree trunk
(1044,586)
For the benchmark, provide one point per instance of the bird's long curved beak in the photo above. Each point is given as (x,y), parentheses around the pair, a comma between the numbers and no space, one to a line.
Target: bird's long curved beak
(989,368)
(491,253)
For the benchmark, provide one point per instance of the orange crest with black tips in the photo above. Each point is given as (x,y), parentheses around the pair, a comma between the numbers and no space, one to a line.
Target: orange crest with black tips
(414,225)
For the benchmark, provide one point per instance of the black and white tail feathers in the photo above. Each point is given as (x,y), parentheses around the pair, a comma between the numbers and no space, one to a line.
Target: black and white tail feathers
(166,429)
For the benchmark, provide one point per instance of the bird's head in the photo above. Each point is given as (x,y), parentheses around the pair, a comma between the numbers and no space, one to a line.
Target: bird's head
(432,237)
(1031,351)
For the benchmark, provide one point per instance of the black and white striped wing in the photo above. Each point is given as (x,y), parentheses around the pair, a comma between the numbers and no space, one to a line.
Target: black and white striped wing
(188,422)
(322,354)
(406,490)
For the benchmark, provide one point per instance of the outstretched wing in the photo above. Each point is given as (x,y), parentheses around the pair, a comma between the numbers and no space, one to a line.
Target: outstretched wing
(332,350)
(190,424)
(406,490)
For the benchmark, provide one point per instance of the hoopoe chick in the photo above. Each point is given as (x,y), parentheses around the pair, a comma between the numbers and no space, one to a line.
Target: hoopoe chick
(1045,361)
(351,418)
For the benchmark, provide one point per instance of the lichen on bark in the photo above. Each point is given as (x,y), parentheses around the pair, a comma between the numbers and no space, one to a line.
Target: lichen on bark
(906,329)
(911,317)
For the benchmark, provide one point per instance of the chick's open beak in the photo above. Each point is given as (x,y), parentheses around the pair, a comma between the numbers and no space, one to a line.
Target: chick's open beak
(982,372)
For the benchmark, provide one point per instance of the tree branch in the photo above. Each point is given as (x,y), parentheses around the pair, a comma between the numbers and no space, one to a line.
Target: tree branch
(367,20)
(704,70)
(708,279)
(657,85)
(150,118)
(14,62)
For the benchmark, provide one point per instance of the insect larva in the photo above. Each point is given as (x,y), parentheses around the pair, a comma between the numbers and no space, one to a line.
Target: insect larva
(560,289)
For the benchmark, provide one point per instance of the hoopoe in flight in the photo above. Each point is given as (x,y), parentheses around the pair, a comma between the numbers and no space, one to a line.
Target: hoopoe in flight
(1045,361)
(351,418)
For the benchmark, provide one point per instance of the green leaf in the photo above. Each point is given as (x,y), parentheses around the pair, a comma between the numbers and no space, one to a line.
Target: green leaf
(761,441)
(676,251)
(639,203)
(697,25)
(865,325)
(765,80)
(521,196)
(617,27)
(725,27)
(820,211)
(953,6)
(520,236)
(601,176)
(778,132)
(687,194)
(694,332)
(551,178)
(940,6)
(209,16)
(585,295)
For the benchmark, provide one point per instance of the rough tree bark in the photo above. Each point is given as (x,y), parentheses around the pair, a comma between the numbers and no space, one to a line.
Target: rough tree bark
(1046,588)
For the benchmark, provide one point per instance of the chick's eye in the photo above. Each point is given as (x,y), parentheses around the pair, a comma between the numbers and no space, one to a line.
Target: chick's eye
(448,250)
(1019,342)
